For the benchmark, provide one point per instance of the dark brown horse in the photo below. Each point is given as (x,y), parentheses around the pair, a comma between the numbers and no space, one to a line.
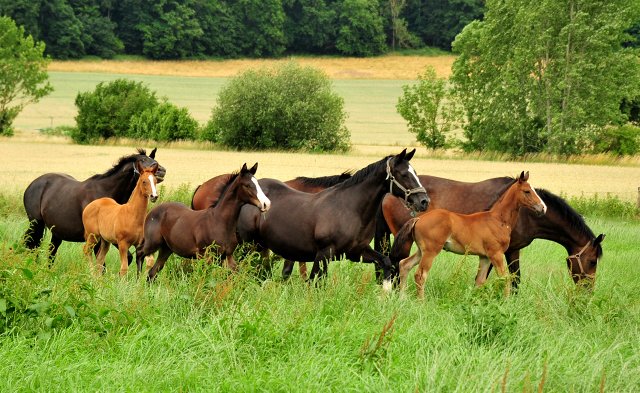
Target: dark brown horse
(56,200)
(172,227)
(207,194)
(562,224)
(334,222)
(486,234)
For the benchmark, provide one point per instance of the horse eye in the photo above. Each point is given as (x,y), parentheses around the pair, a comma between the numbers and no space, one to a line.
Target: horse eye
(527,192)
(594,263)
(404,176)
(247,186)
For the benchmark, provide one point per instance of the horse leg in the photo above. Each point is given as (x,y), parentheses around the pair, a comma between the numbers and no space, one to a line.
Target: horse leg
(513,262)
(498,262)
(406,265)
(323,257)
(55,244)
(483,270)
(303,270)
(423,270)
(369,255)
(123,249)
(102,255)
(163,254)
(88,248)
(33,236)
(287,268)
(231,263)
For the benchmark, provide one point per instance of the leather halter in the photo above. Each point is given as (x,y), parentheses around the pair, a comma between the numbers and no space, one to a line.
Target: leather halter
(577,257)
(135,170)
(392,181)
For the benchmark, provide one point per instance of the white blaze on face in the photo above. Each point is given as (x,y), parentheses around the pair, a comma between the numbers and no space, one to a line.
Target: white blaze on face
(544,205)
(154,193)
(264,201)
(413,172)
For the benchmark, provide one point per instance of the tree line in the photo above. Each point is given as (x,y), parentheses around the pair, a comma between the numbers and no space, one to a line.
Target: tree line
(178,29)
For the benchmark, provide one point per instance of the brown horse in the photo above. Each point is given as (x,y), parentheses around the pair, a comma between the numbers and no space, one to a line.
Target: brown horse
(486,234)
(108,222)
(172,227)
(207,194)
(562,224)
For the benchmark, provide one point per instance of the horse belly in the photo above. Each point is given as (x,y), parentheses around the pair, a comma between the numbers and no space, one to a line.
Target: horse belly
(453,246)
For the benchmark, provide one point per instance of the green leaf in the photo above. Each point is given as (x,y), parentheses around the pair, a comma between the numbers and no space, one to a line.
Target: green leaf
(27,273)
(71,311)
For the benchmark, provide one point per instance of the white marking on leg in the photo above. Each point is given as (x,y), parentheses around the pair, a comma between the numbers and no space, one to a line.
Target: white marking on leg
(544,205)
(386,286)
(264,201)
(154,193)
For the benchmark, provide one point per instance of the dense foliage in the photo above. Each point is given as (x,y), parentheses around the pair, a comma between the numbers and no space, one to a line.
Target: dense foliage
(281,107)
(23,75)
(175,29)
(165,122)
(552,85)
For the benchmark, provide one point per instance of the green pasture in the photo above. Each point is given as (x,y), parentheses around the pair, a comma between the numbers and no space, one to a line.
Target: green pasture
(199,328)
(370,103)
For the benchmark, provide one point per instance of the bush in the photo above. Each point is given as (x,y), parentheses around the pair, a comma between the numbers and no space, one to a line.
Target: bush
(621,141)
(284,107)
(165,122)
(106,112)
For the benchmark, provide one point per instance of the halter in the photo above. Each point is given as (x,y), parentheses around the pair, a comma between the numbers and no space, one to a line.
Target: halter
(392,181)
(577,257)
(135,170)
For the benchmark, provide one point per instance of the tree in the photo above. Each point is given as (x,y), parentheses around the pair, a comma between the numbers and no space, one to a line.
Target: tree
(23,75)
(430,109)
(543,75)
(362,30)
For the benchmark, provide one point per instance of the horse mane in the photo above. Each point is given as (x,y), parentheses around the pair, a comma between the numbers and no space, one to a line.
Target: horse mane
(500,193)
(575,220)
(124,160)
(363,174)
(223,188)
(325,181)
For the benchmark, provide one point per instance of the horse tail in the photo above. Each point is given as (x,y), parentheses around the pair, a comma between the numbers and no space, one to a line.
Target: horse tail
(403,241)
(194,196)
(382,238)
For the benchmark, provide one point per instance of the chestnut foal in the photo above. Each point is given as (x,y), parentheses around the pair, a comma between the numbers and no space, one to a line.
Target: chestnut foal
(108,222)
(486,234)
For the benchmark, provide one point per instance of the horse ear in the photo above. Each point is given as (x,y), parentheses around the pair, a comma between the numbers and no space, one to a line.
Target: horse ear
(410,155)
(139,167)
(599,239)
(154,168)
(526,176)
(254,169)
(244,168)
(153,153)
(522,177)
(402,154)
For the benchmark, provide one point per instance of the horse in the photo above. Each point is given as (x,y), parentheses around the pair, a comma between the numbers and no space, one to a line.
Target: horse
(172,227)
(206,195)
(486,234)
(56,200)
(334,222)
(108,222)
(562,224)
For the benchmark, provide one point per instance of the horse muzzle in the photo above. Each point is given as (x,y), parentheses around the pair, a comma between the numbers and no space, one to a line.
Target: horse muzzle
(160,174)
(153,199)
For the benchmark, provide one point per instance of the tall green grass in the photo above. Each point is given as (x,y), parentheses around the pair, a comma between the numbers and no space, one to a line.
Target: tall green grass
(201,328)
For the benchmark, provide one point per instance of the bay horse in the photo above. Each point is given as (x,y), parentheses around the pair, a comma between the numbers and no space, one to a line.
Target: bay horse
(108,222)
(336,221)
(561,224)
(172,227)
(486,234)
(56,200)
(207,194)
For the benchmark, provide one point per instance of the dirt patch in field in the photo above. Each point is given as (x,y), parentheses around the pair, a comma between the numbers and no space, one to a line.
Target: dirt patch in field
(385,67)
(24,160)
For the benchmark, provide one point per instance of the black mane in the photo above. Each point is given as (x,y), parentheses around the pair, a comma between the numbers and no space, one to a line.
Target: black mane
(363,174)
(223,188)
(119,165)
(575,220)
(325,181)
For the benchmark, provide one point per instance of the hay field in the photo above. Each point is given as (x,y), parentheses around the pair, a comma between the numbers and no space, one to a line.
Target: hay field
(384,67)
(370,104)
(25,159)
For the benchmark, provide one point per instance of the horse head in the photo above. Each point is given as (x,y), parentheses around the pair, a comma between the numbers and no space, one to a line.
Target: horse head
(583,264)
(249,189)
(404,182)
(527,195)
(148,181)
(149,161)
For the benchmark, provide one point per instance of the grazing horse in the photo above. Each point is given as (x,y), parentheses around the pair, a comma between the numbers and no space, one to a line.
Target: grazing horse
(172,227)
(334,222)
(562,224)
(486,234)
(207,194)
(56,200)
(108,222)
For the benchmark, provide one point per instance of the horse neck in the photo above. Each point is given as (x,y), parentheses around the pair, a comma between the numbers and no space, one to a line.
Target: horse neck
(506,209)
(118,186)
(366,196)
(228,208)
(555,227)
(139,202)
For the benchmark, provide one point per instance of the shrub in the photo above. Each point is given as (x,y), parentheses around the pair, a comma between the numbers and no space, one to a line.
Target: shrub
(106,112)
(621,141)
(283,107)
(165,122)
